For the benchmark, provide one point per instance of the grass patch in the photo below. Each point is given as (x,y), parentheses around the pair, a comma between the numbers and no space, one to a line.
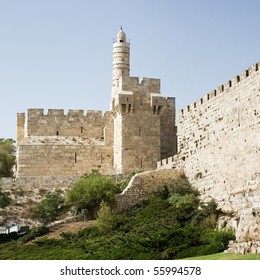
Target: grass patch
(224,256)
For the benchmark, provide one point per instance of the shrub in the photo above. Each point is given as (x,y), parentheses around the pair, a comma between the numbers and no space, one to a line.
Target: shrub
(184,205)
(107,218)
(181,186)
(209,222)
(49,208)
(34,232)
(221,237)
(207,214)
(7,157)
(88,193)
(5,200)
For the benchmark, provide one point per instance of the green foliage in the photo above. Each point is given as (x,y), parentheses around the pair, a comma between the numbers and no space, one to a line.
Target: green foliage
(210,221)
(7,157)
(5,199)
(49,208)
(184,205)
(87,193)
(107,219)
(181,186)
(169,224)
(32,233)
(207,214)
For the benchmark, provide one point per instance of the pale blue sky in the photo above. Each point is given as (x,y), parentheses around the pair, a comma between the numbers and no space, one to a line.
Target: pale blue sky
(58,53)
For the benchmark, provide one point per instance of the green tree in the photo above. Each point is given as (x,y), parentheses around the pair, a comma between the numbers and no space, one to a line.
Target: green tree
(107,218)
(5,200)
(87,194)
(49,208)
(184,205)
(7,157)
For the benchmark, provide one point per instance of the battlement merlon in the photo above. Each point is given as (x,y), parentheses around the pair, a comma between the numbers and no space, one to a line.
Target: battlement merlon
(136,84)
(20,127)
(222,89)
(38,113)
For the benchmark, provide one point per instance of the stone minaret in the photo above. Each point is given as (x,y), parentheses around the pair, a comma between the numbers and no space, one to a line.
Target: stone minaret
(121,61)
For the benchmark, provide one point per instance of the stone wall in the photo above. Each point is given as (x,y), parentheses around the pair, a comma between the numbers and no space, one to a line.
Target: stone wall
(219,140)
(143,184)
(63,156)
(219,144)
(55,122)
(59,155)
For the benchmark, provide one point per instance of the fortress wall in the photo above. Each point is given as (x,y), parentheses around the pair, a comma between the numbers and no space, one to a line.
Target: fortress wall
(63,159)
(219,142)
(55,122)
(38,182)
(143,184)
(168,130)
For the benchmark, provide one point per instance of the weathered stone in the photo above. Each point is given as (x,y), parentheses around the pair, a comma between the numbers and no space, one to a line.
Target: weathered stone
(218,149)
(143,184)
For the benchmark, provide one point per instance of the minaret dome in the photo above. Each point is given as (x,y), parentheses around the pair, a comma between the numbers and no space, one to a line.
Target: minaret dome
(121,36)
(121,57)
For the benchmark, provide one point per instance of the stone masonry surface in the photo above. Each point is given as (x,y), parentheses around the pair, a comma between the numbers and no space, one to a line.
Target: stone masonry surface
(143,184)
(218,149)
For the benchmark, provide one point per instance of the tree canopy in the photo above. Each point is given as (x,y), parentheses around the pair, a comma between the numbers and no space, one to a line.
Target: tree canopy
(7,157)
(49,208)
(88,193)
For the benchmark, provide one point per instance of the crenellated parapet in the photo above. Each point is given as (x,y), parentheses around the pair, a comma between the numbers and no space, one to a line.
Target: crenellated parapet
(56,123)
(223,89)
(133,94)
(137,84)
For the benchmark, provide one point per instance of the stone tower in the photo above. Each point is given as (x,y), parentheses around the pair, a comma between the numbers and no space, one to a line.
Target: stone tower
(138,131)
(144,120)
(121,61)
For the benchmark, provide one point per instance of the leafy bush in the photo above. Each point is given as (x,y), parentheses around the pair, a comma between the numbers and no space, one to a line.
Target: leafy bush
(34,232)
(49,208)
(87,194)
(5,200)
(7,157)
(184,205)
(207,214)
(181,186)
(107,218)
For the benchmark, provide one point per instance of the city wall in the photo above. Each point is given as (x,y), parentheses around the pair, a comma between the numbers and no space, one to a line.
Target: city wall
(218,139)
(55,122)
(45,148)
(50,156)
(218,149)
